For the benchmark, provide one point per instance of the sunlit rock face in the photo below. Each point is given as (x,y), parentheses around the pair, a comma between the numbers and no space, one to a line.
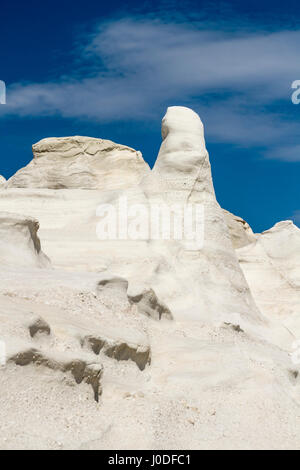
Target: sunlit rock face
(240,231)
(2,181)
(160,337)
(271,265)
(19,242)
(210,272)
(182,168)
(81,163)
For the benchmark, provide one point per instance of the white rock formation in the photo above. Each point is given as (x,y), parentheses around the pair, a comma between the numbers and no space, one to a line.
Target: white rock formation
(272,267)
(2,181)
(19,242)
(182,174)
(240,231)
(120,344)
(80,162)
(149,344)
(205,274)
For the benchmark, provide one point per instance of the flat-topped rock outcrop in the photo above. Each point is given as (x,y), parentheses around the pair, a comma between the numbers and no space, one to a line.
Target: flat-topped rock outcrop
(80,162)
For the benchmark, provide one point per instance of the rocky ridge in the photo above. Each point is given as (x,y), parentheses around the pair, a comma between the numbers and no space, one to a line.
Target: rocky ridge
(147,343)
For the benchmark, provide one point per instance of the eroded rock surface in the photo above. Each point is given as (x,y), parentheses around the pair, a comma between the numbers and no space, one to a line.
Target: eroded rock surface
(38,326)
(80,370)
(19,242)
(83,364)
(240,231)
(81,162)
(121,344)
(208,269)
(272,267)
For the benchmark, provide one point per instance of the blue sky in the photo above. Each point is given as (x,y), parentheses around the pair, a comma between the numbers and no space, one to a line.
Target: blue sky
(110,71)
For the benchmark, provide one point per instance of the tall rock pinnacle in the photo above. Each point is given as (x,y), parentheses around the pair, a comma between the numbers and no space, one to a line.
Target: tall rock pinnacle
(182,174)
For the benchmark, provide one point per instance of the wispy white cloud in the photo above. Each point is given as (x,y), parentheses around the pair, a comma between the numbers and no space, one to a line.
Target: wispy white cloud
(2,92)
(290,153)
(135,66)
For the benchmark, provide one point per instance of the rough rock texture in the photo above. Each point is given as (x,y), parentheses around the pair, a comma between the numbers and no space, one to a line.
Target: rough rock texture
(80,162)
(148,304)
(240,231)
(19,242)
(271,264)
(142,344)
(210,272)
(120,344)
(145,300)
(80,370)
(272,267)
(2,181)
(38,326)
